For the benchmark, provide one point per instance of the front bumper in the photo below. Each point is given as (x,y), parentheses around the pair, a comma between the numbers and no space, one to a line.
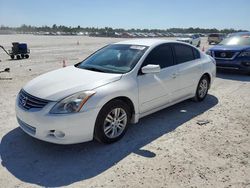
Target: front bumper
(57,128)
(243,65)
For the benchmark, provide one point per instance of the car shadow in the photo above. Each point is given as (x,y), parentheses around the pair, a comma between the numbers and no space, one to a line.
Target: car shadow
(233,75)
(16,59)
(52,165)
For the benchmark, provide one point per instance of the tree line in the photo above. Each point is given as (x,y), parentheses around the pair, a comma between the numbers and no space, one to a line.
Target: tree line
(62,28)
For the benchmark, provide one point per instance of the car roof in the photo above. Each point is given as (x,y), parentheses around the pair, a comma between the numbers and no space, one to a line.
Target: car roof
(145,42)
(218,34)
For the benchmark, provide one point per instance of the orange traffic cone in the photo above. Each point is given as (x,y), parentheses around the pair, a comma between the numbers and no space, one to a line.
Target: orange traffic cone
(64,63)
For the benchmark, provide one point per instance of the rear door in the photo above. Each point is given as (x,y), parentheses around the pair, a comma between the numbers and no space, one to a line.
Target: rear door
(188,69)
(157,89)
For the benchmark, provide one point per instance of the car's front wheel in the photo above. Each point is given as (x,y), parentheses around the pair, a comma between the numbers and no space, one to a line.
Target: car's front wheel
(202,88)
(112,120)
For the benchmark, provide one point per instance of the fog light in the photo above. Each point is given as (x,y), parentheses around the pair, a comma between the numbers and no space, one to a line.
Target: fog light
(246,63)
(59,134)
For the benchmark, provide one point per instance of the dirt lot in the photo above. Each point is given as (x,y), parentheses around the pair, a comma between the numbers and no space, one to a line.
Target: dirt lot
(166,149)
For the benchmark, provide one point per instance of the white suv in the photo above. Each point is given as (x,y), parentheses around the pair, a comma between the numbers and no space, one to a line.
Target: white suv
(193,39)
(117,85)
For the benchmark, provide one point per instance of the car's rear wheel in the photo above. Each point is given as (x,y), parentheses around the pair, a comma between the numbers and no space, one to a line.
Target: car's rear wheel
(202,88)
(112,120)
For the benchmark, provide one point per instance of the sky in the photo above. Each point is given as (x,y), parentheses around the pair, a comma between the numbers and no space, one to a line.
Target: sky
(148,14)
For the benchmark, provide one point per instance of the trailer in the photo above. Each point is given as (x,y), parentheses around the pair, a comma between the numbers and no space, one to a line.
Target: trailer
(18,50)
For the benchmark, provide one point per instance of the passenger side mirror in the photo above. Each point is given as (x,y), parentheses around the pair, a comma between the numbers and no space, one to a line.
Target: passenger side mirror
(7,70)
(151,69)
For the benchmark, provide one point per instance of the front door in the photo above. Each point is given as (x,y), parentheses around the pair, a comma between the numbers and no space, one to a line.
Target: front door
(156,89)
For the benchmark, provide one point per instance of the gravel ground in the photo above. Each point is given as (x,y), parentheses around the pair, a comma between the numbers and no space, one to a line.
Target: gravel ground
(190,144)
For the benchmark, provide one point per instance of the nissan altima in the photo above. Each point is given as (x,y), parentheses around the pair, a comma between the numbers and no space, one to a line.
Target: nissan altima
(117,85)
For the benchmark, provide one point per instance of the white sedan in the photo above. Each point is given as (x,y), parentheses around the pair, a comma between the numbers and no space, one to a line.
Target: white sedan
(193,39)
(117,85)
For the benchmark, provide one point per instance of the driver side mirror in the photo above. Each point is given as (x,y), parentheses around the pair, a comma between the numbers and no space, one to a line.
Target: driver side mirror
(151,69)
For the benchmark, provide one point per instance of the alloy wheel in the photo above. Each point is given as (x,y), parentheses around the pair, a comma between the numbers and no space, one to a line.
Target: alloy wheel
(203,87)
(115,123)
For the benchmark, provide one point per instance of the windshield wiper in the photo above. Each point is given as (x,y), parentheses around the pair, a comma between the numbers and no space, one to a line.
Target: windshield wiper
(93,69)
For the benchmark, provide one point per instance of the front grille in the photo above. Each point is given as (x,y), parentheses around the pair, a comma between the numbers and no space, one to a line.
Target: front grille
(28,101)
(26,127)
(224,54)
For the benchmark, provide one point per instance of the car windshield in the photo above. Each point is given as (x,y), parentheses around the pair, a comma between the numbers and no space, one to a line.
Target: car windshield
(236,40)
(116,58)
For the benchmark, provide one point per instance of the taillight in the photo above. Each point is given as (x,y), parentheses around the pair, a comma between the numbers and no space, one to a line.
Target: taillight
(212,59)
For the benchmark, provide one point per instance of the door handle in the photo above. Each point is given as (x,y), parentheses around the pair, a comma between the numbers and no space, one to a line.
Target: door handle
(174,75)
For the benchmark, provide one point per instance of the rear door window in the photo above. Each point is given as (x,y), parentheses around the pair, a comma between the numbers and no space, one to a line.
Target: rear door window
(184,53)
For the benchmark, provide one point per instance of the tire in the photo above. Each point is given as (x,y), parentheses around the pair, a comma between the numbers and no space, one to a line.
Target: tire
(12,56)
(18,57)
(202,89)
(27,56)
(108,118)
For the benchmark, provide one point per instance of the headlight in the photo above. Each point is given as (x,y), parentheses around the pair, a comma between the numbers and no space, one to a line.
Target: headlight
(72,104)
(245,54)
(208,52)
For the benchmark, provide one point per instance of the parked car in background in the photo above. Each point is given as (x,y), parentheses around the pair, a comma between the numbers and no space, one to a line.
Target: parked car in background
(193,39)
(233,52)
(215,38)
(117,85)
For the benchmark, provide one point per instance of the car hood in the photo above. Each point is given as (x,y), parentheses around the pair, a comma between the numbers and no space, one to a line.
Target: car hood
(63,82)
(230,48)
(183,39)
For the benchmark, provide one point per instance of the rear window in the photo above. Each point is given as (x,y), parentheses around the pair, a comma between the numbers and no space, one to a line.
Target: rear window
(185,53)
(213,35)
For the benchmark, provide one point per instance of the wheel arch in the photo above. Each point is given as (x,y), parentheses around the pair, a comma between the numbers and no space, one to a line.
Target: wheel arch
(128,101)
(209,78)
